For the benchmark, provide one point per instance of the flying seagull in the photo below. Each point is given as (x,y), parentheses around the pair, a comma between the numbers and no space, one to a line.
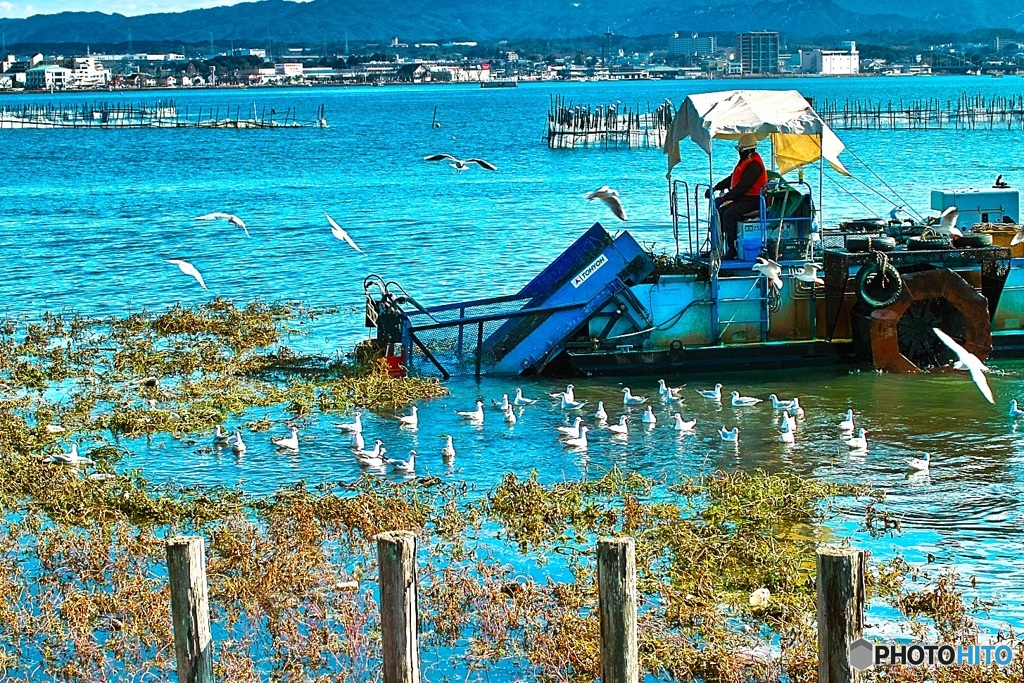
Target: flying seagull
(609,197)
(229,217)
(770,269)
(947,222)
(188,269)
(459,164)
(967,361)
(337,231)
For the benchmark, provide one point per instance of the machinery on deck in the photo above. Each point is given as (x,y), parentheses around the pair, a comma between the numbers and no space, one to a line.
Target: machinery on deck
(868,290)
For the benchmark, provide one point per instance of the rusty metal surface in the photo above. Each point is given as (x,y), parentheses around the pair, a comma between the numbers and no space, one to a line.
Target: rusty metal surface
(931,284)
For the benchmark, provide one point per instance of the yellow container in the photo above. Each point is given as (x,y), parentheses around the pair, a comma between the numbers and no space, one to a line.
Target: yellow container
(1002,235)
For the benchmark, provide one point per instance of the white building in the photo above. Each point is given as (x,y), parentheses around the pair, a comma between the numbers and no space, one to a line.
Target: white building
(47,77)
(289,69)
(86,73)
(831,62)
(693,45)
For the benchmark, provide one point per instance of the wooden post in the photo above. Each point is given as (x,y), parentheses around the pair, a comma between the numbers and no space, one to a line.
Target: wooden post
(396,555)
(190,611)
(616,588)
(840,611)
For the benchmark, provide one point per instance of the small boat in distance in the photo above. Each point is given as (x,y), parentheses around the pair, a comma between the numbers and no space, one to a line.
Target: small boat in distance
(500,83)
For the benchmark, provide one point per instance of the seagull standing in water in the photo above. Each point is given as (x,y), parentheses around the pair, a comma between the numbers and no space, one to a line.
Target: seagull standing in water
(503,404)
(448,452)
(221,438)
(620,428)
(411,420)
(70,458)
(668,393)
(290,443)
(920,464)
(407,467)
(473,415)
(521,400)
(859,442)
(229,217)
(770,269)
(732,435)
(847,424)
(356,426)
(601,415)
(779,404)
(574,430)
(1014,410)
(340,233)
(648,417)
(579,442)
(744,401)
(510,415)
(628,399)
(786,436)
(188,269)
(967,361)
(712,394)
(681,425)
(611,198)
(460,165)
(238,446)
(569,403)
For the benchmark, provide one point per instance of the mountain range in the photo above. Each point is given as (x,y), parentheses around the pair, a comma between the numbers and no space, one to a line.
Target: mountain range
(411,20)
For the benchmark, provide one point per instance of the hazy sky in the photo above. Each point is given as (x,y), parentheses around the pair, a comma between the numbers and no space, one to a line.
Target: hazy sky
(26,8)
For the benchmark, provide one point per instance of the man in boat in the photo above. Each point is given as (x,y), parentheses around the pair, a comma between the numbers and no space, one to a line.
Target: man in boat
(743,188)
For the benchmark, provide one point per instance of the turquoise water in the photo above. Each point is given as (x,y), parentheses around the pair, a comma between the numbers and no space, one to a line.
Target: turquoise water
(90,215)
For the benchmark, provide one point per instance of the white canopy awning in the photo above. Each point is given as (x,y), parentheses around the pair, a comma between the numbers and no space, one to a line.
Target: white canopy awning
(799,136)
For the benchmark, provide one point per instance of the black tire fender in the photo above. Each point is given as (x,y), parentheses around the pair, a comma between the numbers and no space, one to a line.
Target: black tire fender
(973,240)
(870,289)
(929,243)
(878,243)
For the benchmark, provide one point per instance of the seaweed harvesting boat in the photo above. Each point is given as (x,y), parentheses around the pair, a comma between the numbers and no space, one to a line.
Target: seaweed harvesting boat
(500,83)
(798,293)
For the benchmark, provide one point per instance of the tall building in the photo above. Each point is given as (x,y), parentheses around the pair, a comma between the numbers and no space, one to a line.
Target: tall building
(758,52)
(692,45)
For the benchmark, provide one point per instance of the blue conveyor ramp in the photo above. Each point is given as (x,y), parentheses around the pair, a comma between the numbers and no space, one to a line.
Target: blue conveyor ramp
(534,324)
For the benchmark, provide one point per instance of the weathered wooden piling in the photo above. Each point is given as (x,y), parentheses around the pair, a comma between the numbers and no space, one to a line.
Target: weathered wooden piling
(616,587)
(190,610)
(966,112)
(396,557)
(609,125)
(840,611)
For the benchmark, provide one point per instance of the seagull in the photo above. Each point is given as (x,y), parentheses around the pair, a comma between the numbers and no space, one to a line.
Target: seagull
(569,404)
(770,269)
(786,436)
(290,443)
(221,438)
(967,361)
(847,424)
(356,426)
(920,464)
(797,409)
(357,441)
(947,223)
(681,425)
(474,415)
(730,434)
(70,458)
(1000,182)
(410,420)
(579,442)
(54,429)
(407,467)
(460,165)
(858,443)
(669,393)
(628,399)
(712,394)
(648,417)
(238,446)
(743,401)
(788,420)
(229,217)
(563,394)
(188,269)
(779,404)
(503,404)
(809,274)
(338,232)
(510,415)
(600,415)
(609,197)
(619,428)
(519,400)
(1014,410)
(1018,237)
(448,452)
(373,458)
(574,430)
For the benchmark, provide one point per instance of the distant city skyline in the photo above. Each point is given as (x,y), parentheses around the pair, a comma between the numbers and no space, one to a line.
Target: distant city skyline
(16,9)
